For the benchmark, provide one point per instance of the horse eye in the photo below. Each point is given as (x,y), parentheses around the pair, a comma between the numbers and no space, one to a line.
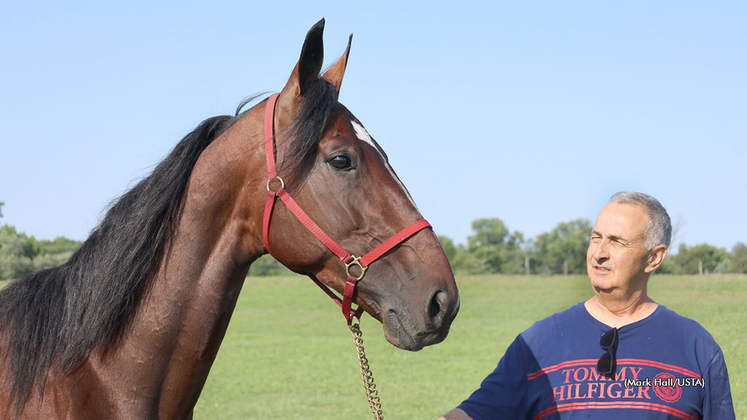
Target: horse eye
(340,162)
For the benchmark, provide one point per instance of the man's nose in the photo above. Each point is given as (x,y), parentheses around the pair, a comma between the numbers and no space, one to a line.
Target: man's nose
(601,251)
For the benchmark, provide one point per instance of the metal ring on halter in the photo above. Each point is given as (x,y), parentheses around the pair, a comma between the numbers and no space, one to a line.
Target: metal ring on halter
(282,183)
(356,261)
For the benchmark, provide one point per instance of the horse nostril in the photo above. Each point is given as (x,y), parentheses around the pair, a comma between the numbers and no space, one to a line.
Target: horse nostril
(435,305)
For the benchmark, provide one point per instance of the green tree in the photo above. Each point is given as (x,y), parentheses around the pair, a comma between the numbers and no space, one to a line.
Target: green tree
(669,266)
(21,254)
(449,248)
(468,263)
(493,248)
(58,245)
(266,265)
(564,246)
(690,259)
(55,252)
(16,253)
(738,258)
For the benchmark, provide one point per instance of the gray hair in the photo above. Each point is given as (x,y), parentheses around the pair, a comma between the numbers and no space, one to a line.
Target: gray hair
(659,228)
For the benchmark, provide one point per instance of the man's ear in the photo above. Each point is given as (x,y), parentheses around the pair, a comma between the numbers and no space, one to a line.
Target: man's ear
(655,258)
(309,65)
(336,71)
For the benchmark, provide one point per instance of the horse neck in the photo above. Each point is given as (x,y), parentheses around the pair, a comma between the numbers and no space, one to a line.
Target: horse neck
(164,359)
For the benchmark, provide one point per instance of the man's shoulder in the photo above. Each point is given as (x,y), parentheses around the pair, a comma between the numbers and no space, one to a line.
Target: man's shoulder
(557,324)
(681,326)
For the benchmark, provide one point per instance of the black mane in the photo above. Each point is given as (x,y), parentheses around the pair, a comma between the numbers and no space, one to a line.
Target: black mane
(306,130)
(59,315)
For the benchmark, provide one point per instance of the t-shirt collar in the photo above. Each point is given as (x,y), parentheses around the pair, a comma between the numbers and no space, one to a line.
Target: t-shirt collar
(625,328)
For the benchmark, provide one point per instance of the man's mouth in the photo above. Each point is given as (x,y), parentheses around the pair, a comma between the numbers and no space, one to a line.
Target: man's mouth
(602,269)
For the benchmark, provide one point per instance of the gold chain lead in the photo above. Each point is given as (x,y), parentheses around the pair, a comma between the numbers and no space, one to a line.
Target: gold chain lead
(372,394)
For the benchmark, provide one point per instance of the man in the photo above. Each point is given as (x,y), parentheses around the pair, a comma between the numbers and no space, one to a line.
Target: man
(618,355)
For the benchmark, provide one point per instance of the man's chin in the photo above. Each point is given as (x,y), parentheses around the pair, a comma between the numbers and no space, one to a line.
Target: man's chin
(604,284)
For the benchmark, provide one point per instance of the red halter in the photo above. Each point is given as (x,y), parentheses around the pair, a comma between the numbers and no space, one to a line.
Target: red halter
(362,262)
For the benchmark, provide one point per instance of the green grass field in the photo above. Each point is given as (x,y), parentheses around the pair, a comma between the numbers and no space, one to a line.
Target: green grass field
(288,353)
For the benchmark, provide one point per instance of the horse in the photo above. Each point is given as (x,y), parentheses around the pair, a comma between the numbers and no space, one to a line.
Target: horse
(130,325)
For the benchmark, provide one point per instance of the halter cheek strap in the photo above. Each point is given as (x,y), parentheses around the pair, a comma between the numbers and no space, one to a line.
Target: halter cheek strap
(348,259)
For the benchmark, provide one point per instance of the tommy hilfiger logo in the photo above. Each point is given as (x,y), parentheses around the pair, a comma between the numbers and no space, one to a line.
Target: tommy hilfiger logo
(585,382)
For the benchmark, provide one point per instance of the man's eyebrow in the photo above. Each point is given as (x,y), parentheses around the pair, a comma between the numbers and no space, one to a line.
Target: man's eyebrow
(619,239)
(612,237)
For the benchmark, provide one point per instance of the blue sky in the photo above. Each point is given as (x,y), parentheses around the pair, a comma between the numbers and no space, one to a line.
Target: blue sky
(532,112)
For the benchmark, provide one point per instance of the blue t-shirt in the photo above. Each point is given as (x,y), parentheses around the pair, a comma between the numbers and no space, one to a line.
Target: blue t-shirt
(672,366)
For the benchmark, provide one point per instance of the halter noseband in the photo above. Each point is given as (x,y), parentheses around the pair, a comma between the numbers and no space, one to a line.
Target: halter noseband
(348,259)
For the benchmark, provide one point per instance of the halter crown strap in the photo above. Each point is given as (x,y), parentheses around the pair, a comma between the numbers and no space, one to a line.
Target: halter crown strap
(350,283)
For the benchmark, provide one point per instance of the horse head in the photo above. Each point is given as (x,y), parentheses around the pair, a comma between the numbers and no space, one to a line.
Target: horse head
(342,179)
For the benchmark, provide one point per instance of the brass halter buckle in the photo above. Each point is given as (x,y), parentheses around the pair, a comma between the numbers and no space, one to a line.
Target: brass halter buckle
(282,183)
(356,261)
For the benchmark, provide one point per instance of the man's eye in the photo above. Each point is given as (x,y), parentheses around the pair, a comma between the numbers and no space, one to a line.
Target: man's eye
(340,162)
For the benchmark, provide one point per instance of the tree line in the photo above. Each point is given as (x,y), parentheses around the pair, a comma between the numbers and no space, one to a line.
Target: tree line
(492,248)
(21,254)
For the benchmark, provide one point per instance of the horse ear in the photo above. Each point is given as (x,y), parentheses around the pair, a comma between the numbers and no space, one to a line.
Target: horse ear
(336,71)
(307,69)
